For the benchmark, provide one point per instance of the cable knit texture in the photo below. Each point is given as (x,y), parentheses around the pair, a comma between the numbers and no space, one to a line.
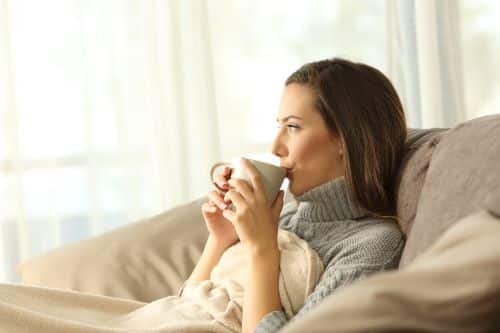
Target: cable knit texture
(351,244)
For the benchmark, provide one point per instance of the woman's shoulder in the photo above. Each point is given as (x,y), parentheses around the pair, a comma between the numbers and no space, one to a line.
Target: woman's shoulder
(376,242)
(380,230)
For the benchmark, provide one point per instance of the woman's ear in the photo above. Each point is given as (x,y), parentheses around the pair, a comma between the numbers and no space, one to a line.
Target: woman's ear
(337,140)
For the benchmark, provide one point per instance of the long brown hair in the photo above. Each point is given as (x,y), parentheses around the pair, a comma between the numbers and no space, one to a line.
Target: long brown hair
(359,104)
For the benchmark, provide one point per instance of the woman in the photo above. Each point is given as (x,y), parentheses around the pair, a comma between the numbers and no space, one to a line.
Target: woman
(341,139)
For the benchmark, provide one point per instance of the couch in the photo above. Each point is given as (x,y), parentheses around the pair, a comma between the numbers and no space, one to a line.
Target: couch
(448,204)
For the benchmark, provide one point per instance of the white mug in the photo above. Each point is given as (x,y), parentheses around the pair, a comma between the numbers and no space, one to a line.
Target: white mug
(272,176)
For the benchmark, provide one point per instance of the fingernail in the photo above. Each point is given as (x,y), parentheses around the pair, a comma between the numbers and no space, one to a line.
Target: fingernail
(222,206)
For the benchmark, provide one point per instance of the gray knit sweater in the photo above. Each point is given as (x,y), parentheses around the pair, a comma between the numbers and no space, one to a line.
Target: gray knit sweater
(350,244)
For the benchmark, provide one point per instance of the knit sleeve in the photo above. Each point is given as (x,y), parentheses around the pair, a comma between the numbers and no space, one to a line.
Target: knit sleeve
(332,279)
(272,322)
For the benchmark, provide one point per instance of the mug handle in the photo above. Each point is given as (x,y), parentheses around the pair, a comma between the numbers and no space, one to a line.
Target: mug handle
(212,169)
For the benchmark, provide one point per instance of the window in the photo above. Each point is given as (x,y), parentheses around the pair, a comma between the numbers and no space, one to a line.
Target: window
(481,49)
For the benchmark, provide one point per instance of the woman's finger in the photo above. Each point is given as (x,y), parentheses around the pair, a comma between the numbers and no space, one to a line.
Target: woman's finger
(243,187)
(206,207)
(255,178)
(235,197)
(221,180)
(217,199)
(227,171)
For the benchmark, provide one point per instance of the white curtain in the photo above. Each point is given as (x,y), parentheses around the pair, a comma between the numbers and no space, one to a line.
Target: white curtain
(100,101)
(180,90)
(425,60)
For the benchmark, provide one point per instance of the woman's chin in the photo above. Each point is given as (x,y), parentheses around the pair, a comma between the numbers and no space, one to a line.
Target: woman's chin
(293,190)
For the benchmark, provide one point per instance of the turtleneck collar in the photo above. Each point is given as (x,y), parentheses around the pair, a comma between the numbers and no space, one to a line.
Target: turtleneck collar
(330,201)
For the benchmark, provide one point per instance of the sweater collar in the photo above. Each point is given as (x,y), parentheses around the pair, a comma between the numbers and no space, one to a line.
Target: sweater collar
(330,201)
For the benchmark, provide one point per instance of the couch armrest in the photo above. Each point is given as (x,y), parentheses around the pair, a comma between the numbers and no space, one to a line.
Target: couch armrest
(143,261)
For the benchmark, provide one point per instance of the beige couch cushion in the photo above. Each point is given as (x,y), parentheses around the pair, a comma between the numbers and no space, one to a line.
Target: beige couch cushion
(454,286)
(143,261)
(419,147)
(463,176)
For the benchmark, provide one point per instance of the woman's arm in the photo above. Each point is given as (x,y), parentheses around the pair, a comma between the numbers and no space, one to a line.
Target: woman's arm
(209,258)
(261,290)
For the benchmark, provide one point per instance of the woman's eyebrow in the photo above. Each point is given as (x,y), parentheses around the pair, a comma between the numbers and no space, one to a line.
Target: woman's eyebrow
(288,117)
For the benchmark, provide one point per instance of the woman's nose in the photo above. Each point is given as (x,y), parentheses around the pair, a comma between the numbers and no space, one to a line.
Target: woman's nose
(278,148)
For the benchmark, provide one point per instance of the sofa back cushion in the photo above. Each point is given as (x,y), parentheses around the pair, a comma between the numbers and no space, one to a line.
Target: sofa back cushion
(462,177)
(420,144)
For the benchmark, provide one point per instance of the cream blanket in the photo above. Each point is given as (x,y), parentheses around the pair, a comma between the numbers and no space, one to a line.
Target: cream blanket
(214,305)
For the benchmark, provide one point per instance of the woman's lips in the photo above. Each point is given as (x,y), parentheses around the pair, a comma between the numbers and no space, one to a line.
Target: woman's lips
(288,173)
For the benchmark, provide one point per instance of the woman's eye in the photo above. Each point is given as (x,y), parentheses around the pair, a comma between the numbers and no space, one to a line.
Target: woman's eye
(290,127)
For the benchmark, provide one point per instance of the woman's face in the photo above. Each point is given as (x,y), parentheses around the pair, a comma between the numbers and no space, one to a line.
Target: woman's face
(304,144)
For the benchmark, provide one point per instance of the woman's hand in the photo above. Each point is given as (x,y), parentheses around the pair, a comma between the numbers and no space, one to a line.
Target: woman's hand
(255,222)
(221,229)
